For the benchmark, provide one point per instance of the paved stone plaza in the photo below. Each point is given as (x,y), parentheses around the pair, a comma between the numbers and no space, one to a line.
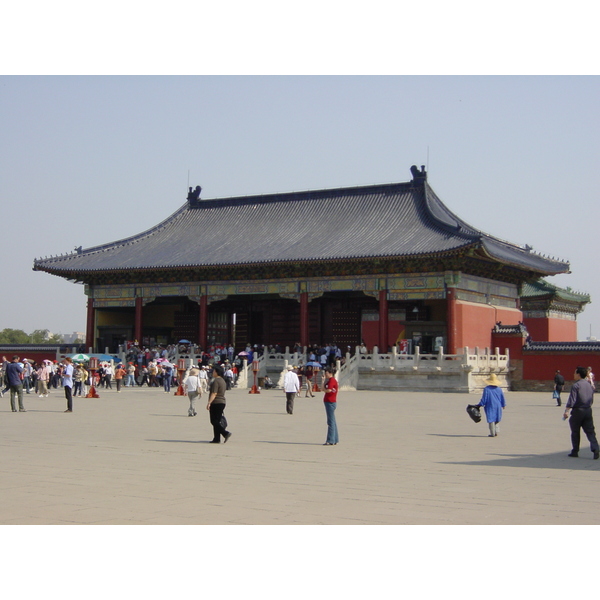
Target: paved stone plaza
(135,457)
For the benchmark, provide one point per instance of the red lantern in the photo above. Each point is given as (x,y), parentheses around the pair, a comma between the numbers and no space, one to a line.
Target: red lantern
(180,372)
(255,369)
(93,367)
(316,370)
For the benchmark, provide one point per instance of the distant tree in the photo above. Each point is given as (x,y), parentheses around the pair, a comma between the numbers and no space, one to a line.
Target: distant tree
(13,336)
(39,336)
(55,338)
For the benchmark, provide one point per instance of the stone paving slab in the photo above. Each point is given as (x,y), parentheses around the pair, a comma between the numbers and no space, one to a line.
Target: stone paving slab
(404,458)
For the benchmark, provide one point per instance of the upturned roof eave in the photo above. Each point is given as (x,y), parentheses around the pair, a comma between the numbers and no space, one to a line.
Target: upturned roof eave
(75,273)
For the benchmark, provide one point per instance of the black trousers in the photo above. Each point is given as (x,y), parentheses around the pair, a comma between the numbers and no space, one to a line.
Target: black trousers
(289,402)
(216,412)
(69,397)
(581,418)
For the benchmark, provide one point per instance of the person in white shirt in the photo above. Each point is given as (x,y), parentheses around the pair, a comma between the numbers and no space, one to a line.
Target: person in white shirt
(193,389)
(291,387)
(203,376)
(67,381)
(228,377)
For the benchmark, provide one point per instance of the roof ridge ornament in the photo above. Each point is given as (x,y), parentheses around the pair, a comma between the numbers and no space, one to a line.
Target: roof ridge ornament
(418,176)
(193,196)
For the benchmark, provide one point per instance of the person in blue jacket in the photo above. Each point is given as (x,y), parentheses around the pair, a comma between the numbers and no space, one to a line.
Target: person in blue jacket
(493,403)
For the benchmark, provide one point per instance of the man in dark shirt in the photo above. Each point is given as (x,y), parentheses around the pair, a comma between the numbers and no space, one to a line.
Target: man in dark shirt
(559,382)
(579,405)
(216,406)
(15,383)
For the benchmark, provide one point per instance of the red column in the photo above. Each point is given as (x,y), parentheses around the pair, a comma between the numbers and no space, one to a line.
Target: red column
(90,328)
(304,319)
(451,323)
(383,321)
(139,307)
(203,322)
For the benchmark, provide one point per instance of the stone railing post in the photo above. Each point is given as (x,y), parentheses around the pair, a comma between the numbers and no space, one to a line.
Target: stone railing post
(440,357)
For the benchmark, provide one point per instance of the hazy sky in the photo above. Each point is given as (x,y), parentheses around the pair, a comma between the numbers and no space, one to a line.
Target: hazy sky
(86,160)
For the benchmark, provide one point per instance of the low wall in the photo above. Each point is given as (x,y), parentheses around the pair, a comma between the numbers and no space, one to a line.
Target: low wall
(407,381)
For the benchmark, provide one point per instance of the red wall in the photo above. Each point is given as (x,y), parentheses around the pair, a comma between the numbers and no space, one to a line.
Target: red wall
(543,366)
(37,357)
(551,330)
(476,321)
(370,333)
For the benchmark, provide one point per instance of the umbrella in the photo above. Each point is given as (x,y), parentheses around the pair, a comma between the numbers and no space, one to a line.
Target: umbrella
(80,357)
(184,342)
(243,353)
(313,364)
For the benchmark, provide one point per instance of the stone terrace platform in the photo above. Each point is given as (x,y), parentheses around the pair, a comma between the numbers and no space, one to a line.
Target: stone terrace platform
(403,458)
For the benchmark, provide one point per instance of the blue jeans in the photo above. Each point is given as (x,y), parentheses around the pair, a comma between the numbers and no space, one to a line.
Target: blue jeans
(332,430)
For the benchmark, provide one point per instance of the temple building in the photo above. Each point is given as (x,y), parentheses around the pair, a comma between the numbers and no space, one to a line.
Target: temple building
(384,264)
(550,313)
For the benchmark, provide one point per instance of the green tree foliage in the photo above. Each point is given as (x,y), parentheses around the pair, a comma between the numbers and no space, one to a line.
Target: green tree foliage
(39,336)
(13,336)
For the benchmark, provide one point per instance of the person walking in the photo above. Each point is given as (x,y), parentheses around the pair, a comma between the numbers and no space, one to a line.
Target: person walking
(291,387)
(493,403)
(27,372)
(14,374)
(590,377)
(330,402)
(308,374)
(78,379)
(67,381)
(193,390)
(228,376)
(130,381)
(203,377)
(579,409)
(43,377)
(559,383)
(216,406)
(108,373)
(120,374)
(167,376)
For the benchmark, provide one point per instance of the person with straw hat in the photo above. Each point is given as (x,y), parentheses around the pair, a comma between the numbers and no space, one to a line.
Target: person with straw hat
(493,403)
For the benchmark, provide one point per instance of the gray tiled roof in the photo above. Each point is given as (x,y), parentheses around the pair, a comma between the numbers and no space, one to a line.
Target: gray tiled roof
(581,347)
(542,287)
(519,329)
(391,220)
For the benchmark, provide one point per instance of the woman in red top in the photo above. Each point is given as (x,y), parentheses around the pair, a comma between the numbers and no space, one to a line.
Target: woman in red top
(330,402)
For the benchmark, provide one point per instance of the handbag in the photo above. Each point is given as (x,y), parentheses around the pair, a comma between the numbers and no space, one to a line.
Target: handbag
(223,422)
(474,412)
(555,395)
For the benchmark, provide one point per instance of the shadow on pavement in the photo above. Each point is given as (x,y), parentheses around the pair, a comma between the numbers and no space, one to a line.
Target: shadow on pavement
(557,460)
(292,443)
